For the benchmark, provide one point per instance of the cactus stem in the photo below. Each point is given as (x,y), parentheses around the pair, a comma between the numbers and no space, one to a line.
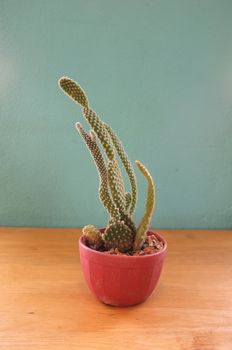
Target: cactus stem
(150,205)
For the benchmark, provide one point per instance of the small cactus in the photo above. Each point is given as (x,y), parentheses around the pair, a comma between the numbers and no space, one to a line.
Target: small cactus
(121,233)
(93,236)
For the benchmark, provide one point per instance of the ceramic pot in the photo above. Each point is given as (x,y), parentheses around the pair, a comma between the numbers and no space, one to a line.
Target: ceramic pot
(121,280)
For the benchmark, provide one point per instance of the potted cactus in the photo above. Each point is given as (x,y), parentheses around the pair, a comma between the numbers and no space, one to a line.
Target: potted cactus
(121,262)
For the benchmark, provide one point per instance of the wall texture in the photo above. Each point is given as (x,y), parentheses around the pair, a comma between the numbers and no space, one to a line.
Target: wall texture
(158,71)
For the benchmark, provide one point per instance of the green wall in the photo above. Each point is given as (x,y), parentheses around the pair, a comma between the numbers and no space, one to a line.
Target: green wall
(159,72)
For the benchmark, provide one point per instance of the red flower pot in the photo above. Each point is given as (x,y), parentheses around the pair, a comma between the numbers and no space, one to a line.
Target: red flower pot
(121,280)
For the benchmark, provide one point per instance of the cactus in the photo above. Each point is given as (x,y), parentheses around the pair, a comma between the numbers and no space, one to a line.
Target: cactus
(116,185)
(104,193)
(128,167)
(93,236)
(150,205)
(121,232)
(118,236)
(98,126)
(74,91)
(128,200)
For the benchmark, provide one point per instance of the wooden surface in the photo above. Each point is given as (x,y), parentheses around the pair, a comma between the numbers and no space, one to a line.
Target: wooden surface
(45,304)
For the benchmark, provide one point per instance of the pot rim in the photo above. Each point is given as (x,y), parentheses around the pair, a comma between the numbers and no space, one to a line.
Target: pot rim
(115,256)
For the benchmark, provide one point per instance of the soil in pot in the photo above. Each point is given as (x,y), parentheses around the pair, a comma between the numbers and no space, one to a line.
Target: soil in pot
(151,245)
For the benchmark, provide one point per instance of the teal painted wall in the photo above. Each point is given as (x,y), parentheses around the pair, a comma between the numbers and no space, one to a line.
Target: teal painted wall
(159,72)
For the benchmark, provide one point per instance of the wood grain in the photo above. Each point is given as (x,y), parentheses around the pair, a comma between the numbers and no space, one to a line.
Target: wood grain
(45,304)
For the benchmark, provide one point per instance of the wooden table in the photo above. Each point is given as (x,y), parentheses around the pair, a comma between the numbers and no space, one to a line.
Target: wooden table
(45,304)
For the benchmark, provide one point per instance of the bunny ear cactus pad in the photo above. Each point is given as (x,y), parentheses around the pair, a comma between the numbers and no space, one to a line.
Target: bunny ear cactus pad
(74,91)
(121,232)
(118,236)
(128,167)
(150,205)
(116,185)
(95,151)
